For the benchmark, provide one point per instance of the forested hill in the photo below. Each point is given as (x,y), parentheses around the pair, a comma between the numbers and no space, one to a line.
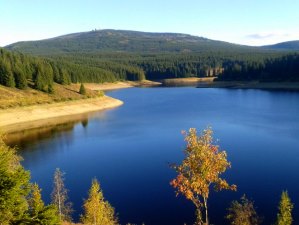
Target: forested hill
(123,41)
(109,55)
(288,45)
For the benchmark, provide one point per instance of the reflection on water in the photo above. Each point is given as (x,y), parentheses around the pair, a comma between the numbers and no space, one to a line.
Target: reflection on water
(129,150)
(28,137)
(49,129)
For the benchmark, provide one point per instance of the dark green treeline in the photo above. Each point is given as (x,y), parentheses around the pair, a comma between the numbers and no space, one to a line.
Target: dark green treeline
(19,70)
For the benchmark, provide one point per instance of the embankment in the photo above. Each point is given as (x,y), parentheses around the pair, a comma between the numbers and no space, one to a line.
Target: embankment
(28,117)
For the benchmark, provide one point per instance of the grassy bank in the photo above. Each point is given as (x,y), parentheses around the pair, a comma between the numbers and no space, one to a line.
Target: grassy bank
(13,97)
(28,109)
(29,117)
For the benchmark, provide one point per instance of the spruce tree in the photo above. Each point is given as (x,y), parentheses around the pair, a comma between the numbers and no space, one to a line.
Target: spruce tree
(97,211)
(20,78)
(20,202)
(6,74)
(51,89)
(284,216)
(39,213)
(14,186)
(64,77)
(82,90)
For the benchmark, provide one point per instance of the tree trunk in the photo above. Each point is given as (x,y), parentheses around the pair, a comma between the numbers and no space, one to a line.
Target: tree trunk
(206,210)
(198,217)
(59,206)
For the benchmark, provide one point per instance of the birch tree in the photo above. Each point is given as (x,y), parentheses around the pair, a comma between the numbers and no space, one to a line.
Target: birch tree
(201,168)
(60,197)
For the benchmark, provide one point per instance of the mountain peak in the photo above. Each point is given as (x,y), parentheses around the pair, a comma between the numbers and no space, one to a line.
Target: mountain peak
(110,40)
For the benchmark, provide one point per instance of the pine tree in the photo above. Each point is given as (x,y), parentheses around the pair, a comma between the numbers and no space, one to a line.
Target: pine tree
(64,77)
(14,186)
(6,74)
(39,213)
(20,78)
(35,200)
(60,197)
(20,202)
(51,89)
(97,211)
(284,216)
(82,90)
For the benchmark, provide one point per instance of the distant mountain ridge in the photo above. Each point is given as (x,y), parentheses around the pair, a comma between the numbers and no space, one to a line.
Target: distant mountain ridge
(112,55)
(122,41)
(288,45)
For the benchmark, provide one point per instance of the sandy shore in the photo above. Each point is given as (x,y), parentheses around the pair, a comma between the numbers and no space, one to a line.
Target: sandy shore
(120,85)
(208,82)
(20,118)
(107,86)
(188,80)
(41,115)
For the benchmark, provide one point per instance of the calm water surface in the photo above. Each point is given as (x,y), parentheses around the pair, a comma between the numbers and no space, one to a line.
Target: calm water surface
(129,148)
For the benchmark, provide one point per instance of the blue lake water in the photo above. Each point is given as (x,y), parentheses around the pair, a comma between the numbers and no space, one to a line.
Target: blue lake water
(128,149)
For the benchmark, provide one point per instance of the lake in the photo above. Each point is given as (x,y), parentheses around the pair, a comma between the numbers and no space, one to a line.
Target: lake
(128,149)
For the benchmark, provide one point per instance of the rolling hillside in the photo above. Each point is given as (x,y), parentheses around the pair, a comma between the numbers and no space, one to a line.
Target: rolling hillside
(111,55)
(289,46)
(123,41)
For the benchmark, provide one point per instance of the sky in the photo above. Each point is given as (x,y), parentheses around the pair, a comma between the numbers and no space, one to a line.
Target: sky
(249,22)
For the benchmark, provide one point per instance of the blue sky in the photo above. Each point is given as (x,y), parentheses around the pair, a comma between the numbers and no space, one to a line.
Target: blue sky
(252,22)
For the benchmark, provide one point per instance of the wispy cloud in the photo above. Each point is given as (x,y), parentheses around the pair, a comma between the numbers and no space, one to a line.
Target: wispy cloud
(260,36)
(270,37)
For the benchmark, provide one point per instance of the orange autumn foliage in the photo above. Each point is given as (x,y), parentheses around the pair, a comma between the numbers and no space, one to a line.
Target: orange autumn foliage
(201,168)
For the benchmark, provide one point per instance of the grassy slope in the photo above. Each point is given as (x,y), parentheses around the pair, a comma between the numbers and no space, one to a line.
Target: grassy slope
(12,97)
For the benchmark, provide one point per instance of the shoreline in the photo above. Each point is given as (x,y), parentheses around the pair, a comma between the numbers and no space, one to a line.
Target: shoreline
(30,117)
(210,83)
(121,85)
(274,86)
(24,118)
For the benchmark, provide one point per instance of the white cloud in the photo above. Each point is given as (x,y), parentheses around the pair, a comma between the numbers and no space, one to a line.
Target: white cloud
(271,37)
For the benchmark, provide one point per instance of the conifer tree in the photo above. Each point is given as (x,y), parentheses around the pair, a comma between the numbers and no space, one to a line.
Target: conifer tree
(50,89)
(60,197)
(64,77)
(6,74)
(82,90)
(20,78)
(97,211)
(284,216)
(20,202)
(39,213)
(14,186)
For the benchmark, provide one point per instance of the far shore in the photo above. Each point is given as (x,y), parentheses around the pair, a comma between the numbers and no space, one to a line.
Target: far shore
(29,117)
(208,82)
(34,116)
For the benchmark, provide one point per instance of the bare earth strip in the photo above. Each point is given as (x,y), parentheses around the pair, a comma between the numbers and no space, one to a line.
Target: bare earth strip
(120,85)
(45,114)
(12,119)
